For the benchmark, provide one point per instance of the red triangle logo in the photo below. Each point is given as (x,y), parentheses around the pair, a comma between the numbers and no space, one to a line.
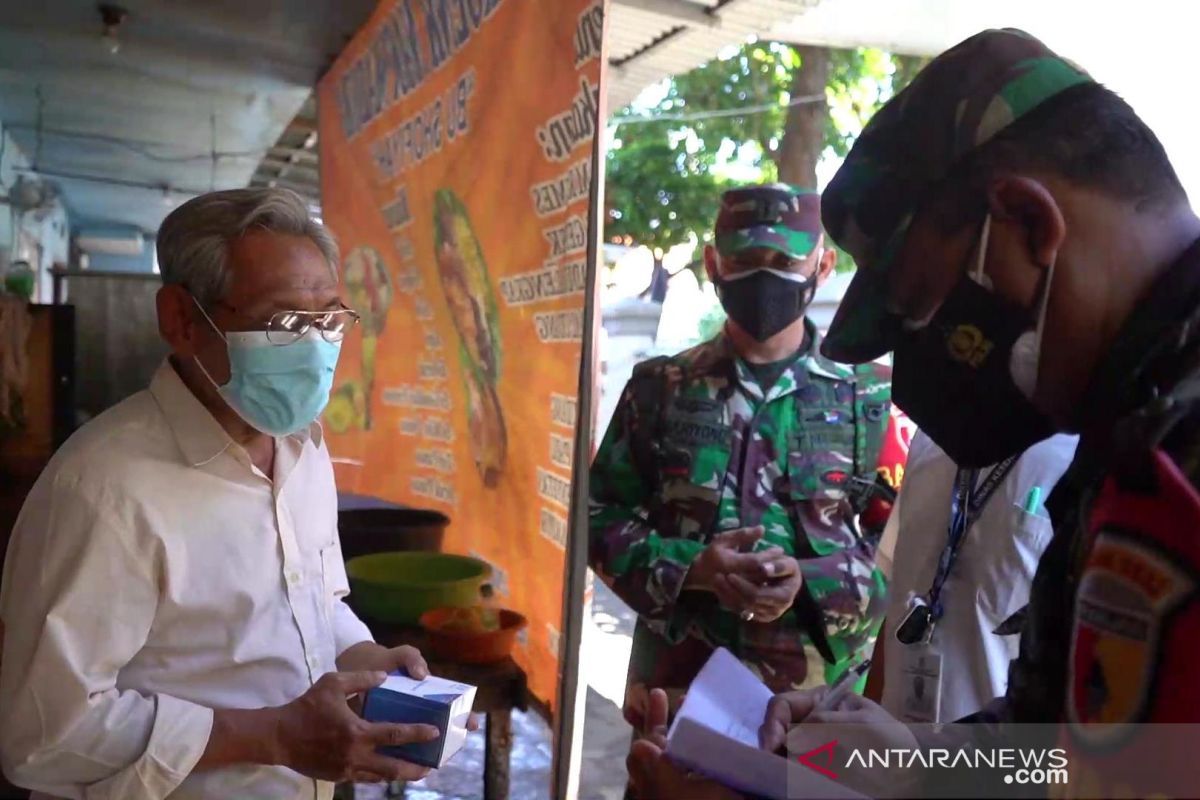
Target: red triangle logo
(807,759)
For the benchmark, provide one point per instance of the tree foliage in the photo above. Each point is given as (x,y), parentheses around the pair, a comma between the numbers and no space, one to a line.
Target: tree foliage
(761,74)
(664,177)
(657,194)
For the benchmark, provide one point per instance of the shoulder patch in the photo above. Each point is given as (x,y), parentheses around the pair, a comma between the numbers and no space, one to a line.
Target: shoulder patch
(1127,592)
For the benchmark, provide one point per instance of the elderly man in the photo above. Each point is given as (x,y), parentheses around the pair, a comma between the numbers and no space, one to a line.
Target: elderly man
(173,593)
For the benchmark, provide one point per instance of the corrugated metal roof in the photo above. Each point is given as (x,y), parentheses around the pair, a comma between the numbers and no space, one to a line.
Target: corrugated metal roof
(649,40)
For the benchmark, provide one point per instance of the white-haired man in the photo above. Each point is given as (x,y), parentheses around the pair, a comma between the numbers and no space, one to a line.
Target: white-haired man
(173,594)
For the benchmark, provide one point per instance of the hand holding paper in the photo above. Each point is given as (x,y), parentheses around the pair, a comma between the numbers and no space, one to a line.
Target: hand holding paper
(717,733)
(651,773)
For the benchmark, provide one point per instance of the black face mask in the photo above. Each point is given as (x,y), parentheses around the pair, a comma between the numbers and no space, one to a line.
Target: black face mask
(952,378)
(763,303)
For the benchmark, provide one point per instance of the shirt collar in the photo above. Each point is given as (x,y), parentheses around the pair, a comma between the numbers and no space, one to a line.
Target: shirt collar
(818,364)
(1132,370)
(809,362)
(199,436)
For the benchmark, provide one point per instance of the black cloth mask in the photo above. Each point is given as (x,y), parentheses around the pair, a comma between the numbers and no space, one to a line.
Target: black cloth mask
(952,378)
(764,302)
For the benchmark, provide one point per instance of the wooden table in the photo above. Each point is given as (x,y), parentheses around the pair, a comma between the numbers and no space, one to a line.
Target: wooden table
(501,688)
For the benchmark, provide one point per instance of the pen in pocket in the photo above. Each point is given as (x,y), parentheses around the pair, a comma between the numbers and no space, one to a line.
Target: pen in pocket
(1033,501)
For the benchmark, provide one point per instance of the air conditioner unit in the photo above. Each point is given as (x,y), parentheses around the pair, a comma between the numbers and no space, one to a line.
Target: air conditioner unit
(111,243)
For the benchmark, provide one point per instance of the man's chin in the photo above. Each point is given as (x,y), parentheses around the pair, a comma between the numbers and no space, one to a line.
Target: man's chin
(741,337)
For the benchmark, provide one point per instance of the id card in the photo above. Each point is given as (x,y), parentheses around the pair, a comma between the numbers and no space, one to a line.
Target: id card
(921,672)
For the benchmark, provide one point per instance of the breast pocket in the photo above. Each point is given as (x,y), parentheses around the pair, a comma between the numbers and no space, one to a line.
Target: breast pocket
(333,573)
(821,457)
(1005,567)
(692,457)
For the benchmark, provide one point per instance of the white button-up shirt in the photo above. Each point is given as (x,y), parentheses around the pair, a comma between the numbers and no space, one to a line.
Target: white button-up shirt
(990,579)
(154,575)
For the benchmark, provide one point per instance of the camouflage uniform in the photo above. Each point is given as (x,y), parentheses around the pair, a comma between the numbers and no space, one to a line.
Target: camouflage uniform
(697,447)
(1110,631)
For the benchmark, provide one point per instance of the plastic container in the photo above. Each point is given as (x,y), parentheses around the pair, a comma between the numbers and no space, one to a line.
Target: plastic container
(390,530)
(467,646)
(398,588)
(19,279)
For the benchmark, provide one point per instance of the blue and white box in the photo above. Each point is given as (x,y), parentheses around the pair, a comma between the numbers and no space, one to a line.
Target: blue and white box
(444,704)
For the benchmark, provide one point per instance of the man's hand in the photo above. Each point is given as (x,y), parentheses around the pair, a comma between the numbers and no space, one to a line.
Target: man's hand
(767,581)
(372,657)
(768,601)
(855,722)
(791,708)
(319,736)
(652,776)
(784,711)
(879,728)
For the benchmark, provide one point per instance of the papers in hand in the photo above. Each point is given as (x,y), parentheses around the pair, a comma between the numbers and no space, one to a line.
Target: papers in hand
(715,733)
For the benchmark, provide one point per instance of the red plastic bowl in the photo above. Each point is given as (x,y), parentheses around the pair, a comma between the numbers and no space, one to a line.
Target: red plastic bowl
(471,647)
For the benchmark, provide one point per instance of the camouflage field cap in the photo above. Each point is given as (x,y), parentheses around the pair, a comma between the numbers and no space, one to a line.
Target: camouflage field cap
(775,215)
(963,98)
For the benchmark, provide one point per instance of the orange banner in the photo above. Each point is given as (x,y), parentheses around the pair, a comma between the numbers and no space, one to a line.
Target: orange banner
(456,164)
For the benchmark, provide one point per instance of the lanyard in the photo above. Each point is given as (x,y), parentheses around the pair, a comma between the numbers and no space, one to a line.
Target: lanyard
(966,504)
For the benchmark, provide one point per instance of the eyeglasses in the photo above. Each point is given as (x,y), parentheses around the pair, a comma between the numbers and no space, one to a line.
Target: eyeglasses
(286,327)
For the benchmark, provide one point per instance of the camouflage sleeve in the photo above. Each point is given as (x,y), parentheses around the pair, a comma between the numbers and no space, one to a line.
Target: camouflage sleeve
(878,447)
(850,590)
(644,568)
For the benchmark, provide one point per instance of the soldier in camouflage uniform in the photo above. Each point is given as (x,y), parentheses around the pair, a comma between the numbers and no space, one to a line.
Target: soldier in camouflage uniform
(1086,318)
(724,497)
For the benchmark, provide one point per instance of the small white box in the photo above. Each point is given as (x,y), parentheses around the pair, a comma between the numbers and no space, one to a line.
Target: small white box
(444,704)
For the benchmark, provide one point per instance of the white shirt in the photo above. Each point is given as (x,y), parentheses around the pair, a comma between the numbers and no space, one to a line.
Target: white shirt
(155,574)
(990,578)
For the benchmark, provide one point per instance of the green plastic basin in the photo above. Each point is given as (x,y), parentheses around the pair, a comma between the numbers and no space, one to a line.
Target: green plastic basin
(399,587)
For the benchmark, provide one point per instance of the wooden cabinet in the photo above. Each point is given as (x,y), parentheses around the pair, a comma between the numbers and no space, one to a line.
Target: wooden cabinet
(49,406)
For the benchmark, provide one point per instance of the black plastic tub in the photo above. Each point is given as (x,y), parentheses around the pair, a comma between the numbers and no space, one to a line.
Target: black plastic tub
(384,530)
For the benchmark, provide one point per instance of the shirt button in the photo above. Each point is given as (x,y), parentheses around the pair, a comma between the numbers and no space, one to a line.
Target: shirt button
(293,578)
(313,662)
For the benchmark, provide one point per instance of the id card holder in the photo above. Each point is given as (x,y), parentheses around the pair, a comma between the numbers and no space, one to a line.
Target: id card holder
(921,673)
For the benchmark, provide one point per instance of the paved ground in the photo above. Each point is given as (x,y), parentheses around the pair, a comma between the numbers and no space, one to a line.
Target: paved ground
(605,654)
(605,657)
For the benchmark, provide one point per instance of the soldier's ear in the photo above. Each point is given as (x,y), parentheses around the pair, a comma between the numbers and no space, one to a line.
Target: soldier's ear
(827,262)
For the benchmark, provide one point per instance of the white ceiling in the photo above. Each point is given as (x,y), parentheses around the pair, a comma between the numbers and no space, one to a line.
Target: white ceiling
(649,40)
(191,76)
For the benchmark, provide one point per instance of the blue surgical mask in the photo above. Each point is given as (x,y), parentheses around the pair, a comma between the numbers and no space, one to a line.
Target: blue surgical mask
(277,389)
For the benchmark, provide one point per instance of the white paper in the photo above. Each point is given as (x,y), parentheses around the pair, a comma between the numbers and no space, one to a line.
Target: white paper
(715,733)
(727,698)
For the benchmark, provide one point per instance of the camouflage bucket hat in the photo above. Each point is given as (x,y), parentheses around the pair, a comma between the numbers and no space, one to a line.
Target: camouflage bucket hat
(776,216)
(961,100)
